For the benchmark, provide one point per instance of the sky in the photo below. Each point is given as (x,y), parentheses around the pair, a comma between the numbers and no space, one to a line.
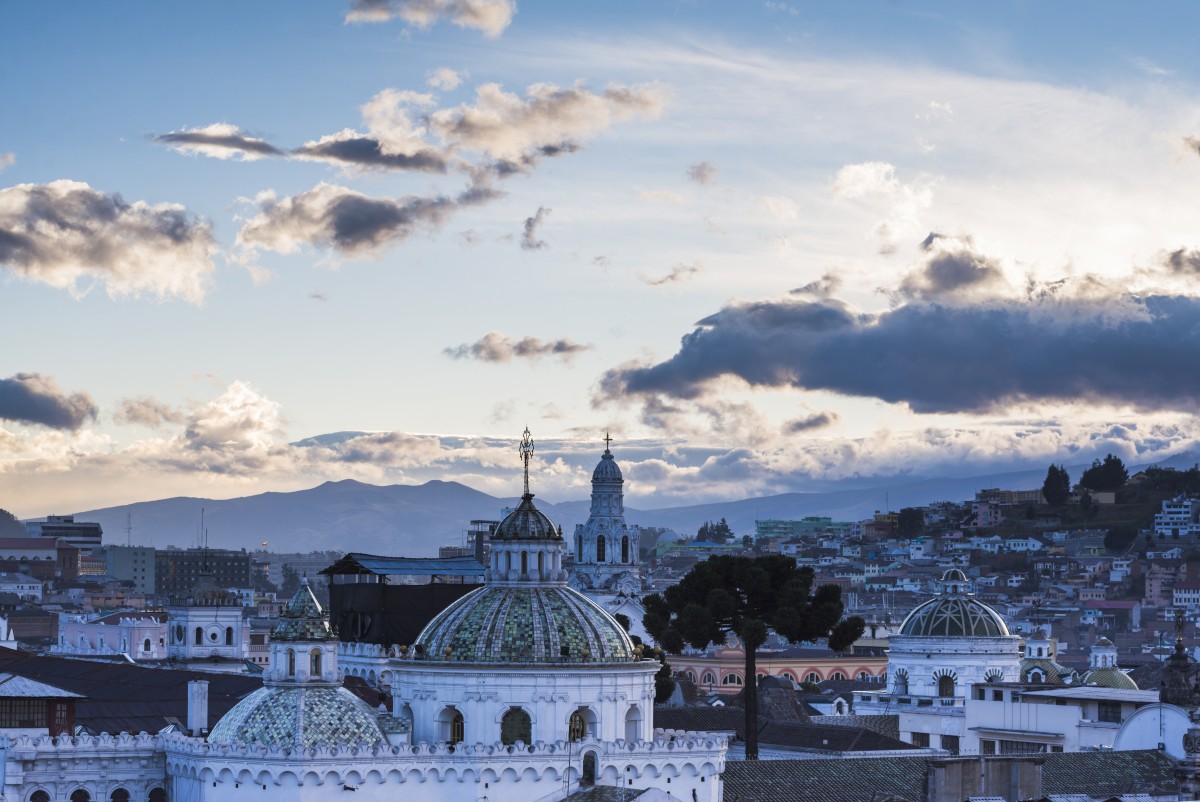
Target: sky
(768,246)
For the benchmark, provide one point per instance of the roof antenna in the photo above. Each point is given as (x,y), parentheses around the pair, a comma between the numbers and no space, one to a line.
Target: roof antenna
(526,455)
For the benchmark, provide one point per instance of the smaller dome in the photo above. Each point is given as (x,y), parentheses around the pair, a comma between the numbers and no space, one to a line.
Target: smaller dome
(954,575)
(299,718)
(1103,643)
(1052,672)
(302,619)
(526,522)
(1110,677)
(954,616)
(607,469)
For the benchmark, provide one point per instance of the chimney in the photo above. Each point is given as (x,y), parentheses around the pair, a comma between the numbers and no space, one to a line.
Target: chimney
(197,715)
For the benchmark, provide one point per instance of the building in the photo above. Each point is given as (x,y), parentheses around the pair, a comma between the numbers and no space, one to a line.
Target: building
(83,535)
(209,629)
(40,558)
(132,563)
(138,636)
(177,571)
(22,586)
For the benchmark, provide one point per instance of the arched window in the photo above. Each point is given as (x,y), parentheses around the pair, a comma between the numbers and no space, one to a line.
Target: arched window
(516,726)
(581,724)
(199,636)
(600,549)
(119,795)
(731,679)
(625,549)
(80,795)
(1037,675)
(40,796)
(633,724)
(901,685)
(158,795)
(709,679)
(524,563)
(1039,651)
(228,636)
(837,675)
(812,676)
(946,686)
(451,727)
(146,645)
(579,548)
(589,769)
(291,662)
(691,675)
(314,663)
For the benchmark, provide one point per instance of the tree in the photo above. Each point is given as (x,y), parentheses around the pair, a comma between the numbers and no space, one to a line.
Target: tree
(910,522)
(1119,538)
(1057,487)
(290,583)
(743,596)
(714,532)
(664,680)
(1107,476)
(10,525)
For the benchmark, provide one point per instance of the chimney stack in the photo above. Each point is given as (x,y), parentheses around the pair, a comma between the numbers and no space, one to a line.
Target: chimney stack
(197,714)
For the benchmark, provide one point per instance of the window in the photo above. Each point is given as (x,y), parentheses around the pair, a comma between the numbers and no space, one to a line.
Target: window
(920,739)
(979,694)
(40,796)
(731,679)
(709,679)
(812,676)
(837,675)
(997,696)
(228,636)
(600,549)
(199,636)
(314,663)
(119,795)
(291,663)
(901,685)
(516,726)
(1110,712)
(946,686)
(146,645)
(625,549)
(581,724)
(451,726)
(987,747)
(950,744)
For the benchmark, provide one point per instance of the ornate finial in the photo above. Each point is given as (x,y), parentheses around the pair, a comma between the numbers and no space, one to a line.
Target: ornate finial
(607,440)
(526,455)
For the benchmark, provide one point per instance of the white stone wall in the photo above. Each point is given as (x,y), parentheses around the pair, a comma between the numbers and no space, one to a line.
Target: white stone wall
(99,765)
(967,660)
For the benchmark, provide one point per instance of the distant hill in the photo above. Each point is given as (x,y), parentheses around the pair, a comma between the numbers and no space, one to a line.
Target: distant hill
(416,519)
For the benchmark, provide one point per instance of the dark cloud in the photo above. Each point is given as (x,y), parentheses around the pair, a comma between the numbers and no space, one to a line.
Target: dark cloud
(496,347)
(703,173)
(1193,143)
(1183,261)
(365,151)
(34,398)
(340,218)
(218,141)
(956,270)
(529,240)
(503,168)
(65,231)
(938,358)
(818,420)
(680,272)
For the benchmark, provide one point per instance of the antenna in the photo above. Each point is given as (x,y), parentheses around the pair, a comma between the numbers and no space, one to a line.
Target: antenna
(526,455)
(129,527)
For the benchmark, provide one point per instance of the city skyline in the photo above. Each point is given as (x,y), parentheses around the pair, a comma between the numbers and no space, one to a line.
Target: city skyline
(769,247)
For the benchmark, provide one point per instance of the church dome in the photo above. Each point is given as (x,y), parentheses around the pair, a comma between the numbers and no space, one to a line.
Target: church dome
(526,522)
(607,469)
(298,717)
(545,624)
(1111,677)
(954,614)
(302,619)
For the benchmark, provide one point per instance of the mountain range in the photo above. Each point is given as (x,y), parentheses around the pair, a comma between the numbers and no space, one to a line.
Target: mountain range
(415,520)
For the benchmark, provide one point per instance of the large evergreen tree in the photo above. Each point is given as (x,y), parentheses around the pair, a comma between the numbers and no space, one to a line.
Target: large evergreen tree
(744,596)
(10,525)
(1057,487)
(1109,475)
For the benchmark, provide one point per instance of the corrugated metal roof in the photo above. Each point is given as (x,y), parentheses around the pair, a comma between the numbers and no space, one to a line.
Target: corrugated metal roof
(407,566)
(13,686)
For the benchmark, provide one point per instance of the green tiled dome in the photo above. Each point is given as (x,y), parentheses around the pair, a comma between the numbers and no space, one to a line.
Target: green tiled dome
(526,522)
(954,616)
(298,718)
(303,619)
(546,624)
(1109,678)
(1054,673)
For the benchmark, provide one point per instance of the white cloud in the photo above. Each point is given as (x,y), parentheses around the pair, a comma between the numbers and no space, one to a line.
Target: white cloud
(7,159)
(445,79)
(489,16)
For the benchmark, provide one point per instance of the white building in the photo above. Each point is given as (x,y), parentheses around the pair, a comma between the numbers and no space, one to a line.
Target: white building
(1178,518)
(209,629)
(21,585)
(137,635)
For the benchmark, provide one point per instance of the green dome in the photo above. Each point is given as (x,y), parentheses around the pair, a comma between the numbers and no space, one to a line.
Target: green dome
(298,718)
(526,522)
(954,616)
(541,624)
(303,619)
(1110,677)
(1054,673)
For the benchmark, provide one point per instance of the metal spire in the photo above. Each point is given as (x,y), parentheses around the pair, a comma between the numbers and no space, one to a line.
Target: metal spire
(526,455)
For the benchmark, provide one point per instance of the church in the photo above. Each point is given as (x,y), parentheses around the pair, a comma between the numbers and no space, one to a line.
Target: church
(522,689)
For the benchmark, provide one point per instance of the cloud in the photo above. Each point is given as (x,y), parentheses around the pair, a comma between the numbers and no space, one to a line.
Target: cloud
(489,16)
(351,148)
(1150,68)
(34,398)
(818,420)
(1192,143)
(702,172)
(496,347)
(953,270)
(218,141)
(1183,261)
(330,216)
(64,232)
(147,411)
(529,240)
(980,356)
(661,196)
(904,203)
(784,209)
(240,421)
(679,272)
(7,159)
(445,79)
(509,128)
(317,295)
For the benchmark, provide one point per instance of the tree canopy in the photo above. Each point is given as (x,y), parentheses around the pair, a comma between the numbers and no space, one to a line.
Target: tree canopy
(718,532)
(10,525)
(910,522)
(744,596)
(1106,476)
(1057,487)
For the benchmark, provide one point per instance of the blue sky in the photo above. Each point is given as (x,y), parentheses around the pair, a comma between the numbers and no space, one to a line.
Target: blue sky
(770,246)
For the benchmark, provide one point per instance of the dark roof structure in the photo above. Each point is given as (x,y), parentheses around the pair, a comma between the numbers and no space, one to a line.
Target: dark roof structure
(904,779)
(128,698)
(359,563)
(795,735)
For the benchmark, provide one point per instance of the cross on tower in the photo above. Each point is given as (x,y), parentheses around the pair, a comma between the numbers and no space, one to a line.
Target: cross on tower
(607,440)
(526,455)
